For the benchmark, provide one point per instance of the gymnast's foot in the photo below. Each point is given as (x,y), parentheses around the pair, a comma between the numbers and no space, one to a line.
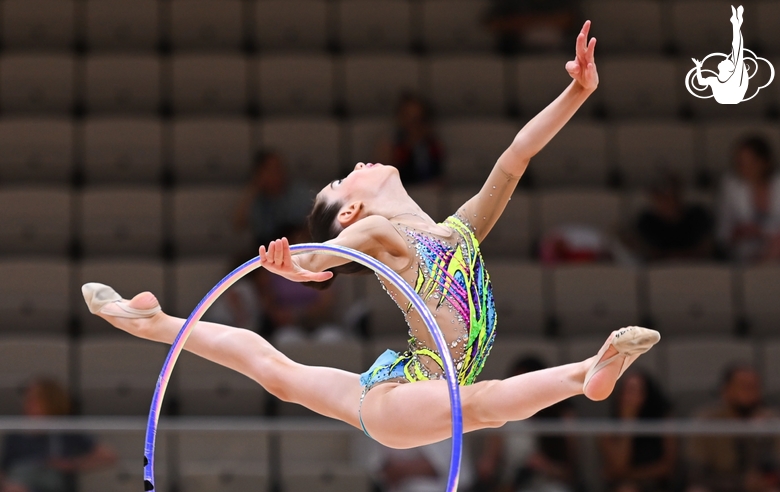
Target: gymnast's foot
(136,316)
(620,350)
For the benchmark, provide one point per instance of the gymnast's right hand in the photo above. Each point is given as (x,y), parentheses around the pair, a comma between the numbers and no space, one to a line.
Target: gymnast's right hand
(278,259)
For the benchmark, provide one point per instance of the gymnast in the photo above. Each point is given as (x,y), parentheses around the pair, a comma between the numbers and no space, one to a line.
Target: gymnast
(370,211)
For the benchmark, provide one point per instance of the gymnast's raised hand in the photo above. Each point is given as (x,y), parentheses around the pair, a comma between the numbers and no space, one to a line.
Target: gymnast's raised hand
(402,400)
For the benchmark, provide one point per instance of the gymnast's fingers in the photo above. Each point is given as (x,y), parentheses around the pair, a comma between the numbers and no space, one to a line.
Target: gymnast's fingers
(263,258)
(278,252)
(319,276)
(287,258)
(591,50)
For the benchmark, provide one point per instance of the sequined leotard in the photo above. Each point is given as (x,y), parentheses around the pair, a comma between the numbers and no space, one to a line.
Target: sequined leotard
(449,275)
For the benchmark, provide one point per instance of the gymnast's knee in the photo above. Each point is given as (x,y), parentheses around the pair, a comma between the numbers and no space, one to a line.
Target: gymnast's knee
(272,371)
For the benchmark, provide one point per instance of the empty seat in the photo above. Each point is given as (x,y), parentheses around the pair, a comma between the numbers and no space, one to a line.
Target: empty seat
(34,295)
(293,26)
(646,149)
(295,84)
(128,277)
(633,27)
(37,83)
(769,351)
(317,450)
(540,79)
(760,291)
(720,140)
(639,87)
(599,209)
(38,150)
(507,350)
(576,156)
(377,25)
(121,221)
(125,474)
(467,85)
(374,84)
(46,24)
(473,147)
(701,27)
(767,33)
(123,150)
(691,300)
(339,480)
(203,220)
(24,358)
(122,24)
(192,280)
(206,24)
(519,293)
(118,375)
(35,220)
(123,83)
(229,460)
(456,25)
(311,147)
(365,135)
(212,150)
(206,388)
(595,299)
(210,83)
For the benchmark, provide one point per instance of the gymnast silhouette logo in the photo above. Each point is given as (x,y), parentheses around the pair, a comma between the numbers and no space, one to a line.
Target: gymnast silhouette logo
(730,84)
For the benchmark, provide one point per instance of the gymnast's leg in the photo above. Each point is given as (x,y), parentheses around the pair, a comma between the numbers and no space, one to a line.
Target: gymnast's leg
(330,392)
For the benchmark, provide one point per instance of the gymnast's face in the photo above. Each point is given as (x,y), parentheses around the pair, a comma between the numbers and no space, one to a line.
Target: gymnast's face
(366,184)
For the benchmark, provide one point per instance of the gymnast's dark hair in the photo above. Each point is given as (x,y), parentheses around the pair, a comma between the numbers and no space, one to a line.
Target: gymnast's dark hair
(323,227)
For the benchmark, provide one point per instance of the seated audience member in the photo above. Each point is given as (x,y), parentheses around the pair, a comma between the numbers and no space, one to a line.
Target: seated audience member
(48,461)
(735,463)
(272,199)
(639,463)
(749,209)
(423,469)
(521,462)
(532,24)
(414,147)
(671,229)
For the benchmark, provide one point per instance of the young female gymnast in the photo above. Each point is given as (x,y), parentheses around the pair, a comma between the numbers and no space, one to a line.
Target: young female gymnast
(370,211)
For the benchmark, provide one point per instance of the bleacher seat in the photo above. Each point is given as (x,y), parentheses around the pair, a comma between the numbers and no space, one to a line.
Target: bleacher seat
(36,150)
(282,25)
(302,84)
(207,24)
(126,474)
(206,388)
(317,450)
(467,85)
(34,295)
(191,280)
(123,150)
(701,27)
(473,147)
(38,24)
(338,480)
(507,350)
(638,201)
(207,83)
(760,291)
(629,27)
(311,147)
(595,299)
(37,83)
(455,25)
(203,221)
(539,80)
(721,138)
(373,84)
(35,220)
(127,276)
(691,300)
(639,87)
(766,33)
(520,295)
(121,220)
(377,25)
(212,150)
(122,25)
(27,357)
(230,460)
(576,156)
(122,84)
(365,135)
(769,352)
(647,149)
(117,374)
(599,209)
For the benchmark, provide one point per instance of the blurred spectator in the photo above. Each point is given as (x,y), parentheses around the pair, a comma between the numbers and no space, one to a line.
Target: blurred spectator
(671,229)
(574,243)
(414,148)
(731,464)
(749,222)
(532,24)
(48,461)
(422,469)
(639,463)
(520,462)
(272,199)
(293,311)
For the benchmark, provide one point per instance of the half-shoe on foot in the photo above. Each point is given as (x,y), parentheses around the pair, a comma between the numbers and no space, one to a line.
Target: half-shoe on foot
(620,350)
(104,300)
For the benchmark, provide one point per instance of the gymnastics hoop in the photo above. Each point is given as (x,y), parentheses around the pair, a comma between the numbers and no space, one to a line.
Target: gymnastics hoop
(331,250)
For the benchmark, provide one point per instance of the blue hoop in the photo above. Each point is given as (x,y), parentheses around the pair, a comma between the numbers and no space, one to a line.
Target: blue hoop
(332,250)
